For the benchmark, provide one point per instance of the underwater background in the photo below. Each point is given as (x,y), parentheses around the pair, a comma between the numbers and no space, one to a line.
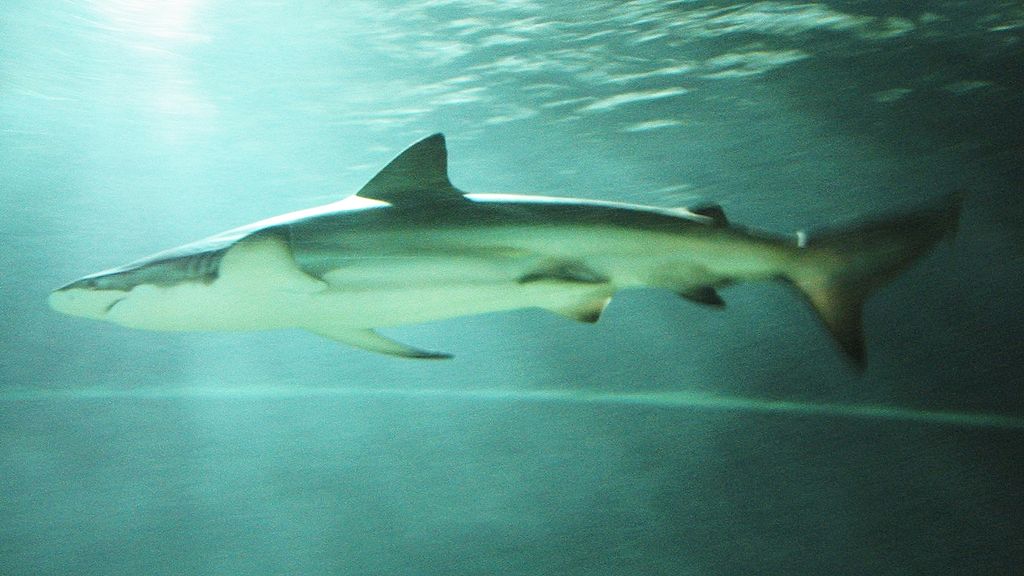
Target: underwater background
(666,439)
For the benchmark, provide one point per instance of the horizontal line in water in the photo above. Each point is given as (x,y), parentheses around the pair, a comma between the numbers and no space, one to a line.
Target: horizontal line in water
(692,400)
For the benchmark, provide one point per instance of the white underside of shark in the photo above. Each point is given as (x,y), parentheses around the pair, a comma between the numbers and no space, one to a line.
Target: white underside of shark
(411,248)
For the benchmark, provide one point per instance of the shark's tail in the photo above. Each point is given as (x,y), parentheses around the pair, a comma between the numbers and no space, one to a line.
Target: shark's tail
(839,268)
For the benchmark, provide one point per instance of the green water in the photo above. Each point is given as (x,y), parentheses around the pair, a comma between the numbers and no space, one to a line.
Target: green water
(665,439)
(678,399)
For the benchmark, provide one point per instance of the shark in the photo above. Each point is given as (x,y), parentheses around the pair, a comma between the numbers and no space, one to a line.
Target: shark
(410,247)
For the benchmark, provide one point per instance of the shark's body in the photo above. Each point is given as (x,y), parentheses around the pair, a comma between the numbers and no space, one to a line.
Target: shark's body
(410,248)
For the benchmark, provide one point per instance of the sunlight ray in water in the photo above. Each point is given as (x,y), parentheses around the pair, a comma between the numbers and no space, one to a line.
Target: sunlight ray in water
(679,399)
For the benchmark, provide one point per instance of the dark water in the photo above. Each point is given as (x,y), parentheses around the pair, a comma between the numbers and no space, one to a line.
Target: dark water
(666,439)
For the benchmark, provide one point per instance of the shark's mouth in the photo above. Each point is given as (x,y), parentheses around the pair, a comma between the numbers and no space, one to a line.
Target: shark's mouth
(111,306)
(86,303)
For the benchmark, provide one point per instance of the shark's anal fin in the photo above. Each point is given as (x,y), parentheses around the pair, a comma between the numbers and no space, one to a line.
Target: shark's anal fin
(589,311)
(705,295)
(367,339)
(419,174)
(563,271)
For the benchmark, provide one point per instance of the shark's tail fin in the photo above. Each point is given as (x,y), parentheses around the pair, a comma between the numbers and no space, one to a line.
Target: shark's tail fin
(841,267)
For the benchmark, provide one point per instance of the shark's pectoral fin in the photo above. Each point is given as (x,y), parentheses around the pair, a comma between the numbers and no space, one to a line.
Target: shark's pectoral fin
(705,295)
(367,339)
(589,311)
(564,271)
(265,259)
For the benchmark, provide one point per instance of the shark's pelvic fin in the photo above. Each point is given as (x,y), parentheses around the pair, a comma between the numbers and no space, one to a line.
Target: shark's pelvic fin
(418,174)
(589,311)
(705,295)
(369,340)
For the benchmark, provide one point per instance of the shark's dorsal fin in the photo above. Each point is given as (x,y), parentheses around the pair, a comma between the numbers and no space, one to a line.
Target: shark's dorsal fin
(713,211)
(417,174)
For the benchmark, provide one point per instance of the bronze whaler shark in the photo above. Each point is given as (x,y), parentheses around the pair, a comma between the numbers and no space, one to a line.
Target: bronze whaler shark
(409,247)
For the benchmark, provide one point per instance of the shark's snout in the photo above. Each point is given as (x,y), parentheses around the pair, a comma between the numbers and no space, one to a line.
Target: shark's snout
(81,299)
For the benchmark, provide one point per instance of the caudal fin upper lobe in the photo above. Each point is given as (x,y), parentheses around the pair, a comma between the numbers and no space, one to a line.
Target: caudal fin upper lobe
(841,267)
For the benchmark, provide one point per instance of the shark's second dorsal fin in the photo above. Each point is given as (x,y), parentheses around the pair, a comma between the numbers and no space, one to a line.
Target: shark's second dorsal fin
(713,211)
(417,174)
